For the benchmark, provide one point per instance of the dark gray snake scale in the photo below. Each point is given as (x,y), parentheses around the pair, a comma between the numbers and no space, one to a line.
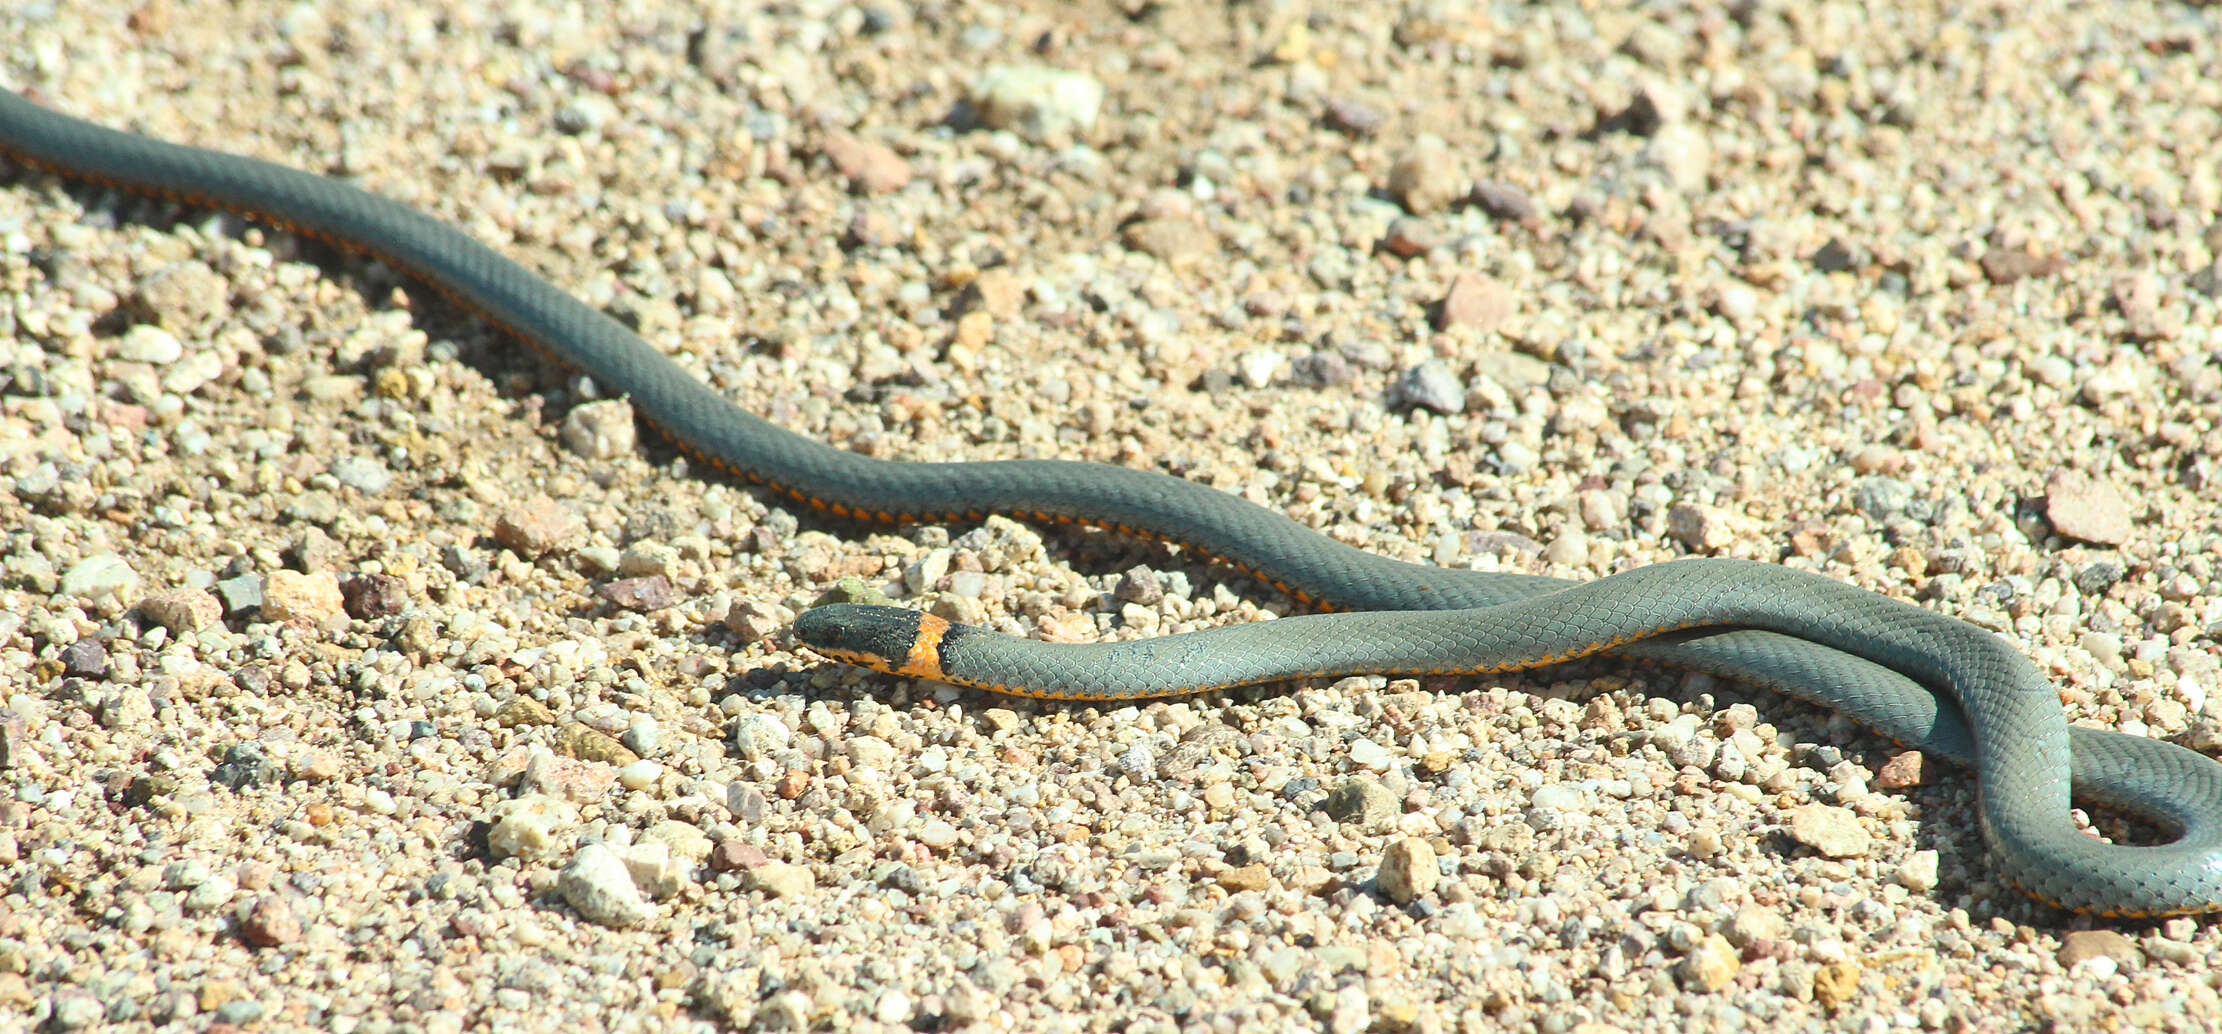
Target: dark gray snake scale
(1927,680)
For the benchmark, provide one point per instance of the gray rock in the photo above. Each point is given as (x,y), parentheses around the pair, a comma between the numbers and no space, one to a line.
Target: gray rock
(240,593)
(1881,498)
(85,659)
(1430,385)
(1363,802)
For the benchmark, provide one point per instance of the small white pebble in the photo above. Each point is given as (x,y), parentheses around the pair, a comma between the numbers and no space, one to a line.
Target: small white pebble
(640,775)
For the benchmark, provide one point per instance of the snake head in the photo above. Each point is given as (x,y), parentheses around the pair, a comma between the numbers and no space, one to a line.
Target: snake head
(889,639)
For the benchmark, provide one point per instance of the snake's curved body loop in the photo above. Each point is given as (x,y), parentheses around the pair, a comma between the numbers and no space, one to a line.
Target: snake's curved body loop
(1998,714)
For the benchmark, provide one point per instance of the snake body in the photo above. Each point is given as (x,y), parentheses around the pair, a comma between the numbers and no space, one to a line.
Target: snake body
(1924,679)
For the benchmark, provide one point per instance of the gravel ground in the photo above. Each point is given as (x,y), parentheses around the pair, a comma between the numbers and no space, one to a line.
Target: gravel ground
(362,674)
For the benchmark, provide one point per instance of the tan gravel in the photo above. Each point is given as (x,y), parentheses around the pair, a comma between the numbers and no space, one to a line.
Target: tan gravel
(359,673)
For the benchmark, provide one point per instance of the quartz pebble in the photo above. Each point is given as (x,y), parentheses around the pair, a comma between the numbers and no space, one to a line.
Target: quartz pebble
(597,883)
(1835,832)
(1408,870)
(598,430)
(104,574)
(530,826)
(1043,104)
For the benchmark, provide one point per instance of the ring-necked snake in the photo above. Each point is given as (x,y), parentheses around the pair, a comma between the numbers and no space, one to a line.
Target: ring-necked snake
(1883,662)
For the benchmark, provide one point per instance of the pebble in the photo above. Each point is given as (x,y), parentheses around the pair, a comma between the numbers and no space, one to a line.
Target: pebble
(363,474)
(2084,507)
(1408,870)
(1481,304)
(645,736)
(147,343)
(1835,832)
(1919,873)
(530,827)
(687,842)
(1371,756)
(1753,927)
(1881,498)
(523,711)
(755,620)
(100,575)
(182,610)
(1430,385)
(1903,770)
(1355,117)
(2149,319)
(871,167)
(75,1010)
(186,294)
(1427,177)
(1179,243)
(1505,201)
(1712,964)
(1836,983)
(596,882)
(1259,366)
(640,775)
(893,1007)
(310,599)
(370,596)
(2082,946)
(579,782)
(1701,529)
(586,743)
(240,593)
(1139,585)
(1237,879)
(598,430)
(1684,153)
(582,114)
(270,922)
(654,592)
(760,735)
(2006,264)
(1363,802)
(1041,104)
(656,870)
(781,880)
(535,526)
(85,659)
